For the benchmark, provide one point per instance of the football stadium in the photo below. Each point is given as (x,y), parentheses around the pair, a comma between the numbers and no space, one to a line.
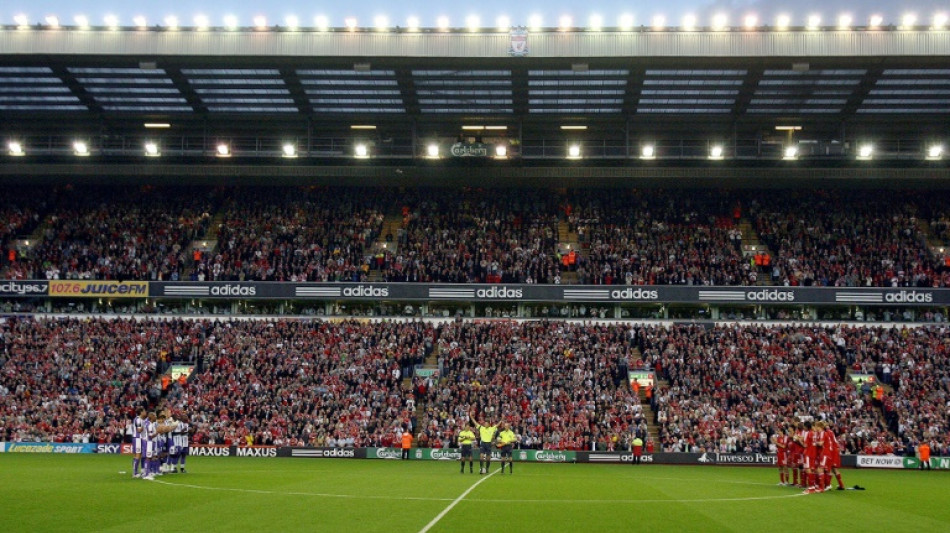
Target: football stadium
(286,277)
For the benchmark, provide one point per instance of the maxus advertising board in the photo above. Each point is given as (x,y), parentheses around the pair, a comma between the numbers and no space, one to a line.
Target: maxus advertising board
(98,289)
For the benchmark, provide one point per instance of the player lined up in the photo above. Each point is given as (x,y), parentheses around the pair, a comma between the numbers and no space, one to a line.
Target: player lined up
(159,446)
(807,455)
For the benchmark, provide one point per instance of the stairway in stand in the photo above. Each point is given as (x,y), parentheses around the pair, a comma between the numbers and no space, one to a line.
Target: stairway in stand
(391,225)
(567,241)
(751,244)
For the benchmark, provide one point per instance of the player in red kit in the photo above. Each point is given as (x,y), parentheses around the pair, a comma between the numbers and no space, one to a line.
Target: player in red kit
(830,461)
(810,458)
(781,451)
(795,438)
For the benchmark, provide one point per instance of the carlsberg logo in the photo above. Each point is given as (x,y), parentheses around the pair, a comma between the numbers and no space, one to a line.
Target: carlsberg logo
(553,457)
(441,455)
(499,292)
(388,453)
(909,297)
(634,294)
(366,291)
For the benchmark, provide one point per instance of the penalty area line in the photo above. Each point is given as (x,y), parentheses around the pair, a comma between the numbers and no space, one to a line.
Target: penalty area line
(454,503)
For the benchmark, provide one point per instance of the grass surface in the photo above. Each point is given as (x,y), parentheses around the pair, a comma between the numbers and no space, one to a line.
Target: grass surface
(87,493)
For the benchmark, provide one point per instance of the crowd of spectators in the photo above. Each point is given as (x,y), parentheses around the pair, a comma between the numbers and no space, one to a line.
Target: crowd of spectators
(847,239)
(657,237)
(475,236)
(313,234)
(560,384)
(731,388)
(116,234)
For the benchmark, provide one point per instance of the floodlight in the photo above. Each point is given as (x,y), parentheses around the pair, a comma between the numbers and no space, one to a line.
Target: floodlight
(171,22)
(935,152)
(595,22)
(908,21)
(782,22)
(292,22)
(574,151)
(940,20)
(80,148)
(361,151)
(140,21)
(15,148)
(381,23)
(535,22)
(875,21)
(22,21)
(626,22)
(111,21)
(715,152)
(260,22)
(52,21)
(791,153)
(473,23)
(720,21)
(82,21)
(689,22)
(432,151)
(152,150)
(750,22)
(659,22)
(647,151)
(844,22)
(565,23)
(321,22)
(442,23)
(814,22)
(289,151)
(503,23)
(501,151)
(201,22)
(224,150)
(231,22)
(412,23)
(865,152)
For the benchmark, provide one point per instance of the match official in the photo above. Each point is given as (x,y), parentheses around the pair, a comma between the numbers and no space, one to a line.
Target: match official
(506,441)
(466,439)
(486,435)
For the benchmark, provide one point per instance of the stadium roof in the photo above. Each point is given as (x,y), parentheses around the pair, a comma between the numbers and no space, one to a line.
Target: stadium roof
(613,90)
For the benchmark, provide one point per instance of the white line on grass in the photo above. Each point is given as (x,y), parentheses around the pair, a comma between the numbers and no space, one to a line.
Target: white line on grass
(291,493)
(454,503)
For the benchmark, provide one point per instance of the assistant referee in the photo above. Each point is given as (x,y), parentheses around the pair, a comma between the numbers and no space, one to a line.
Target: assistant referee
(466,439)
(506,442)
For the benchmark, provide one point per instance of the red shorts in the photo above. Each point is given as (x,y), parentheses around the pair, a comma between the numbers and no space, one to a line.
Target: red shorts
(829,461)
(810,460)
(795,459)
(781,459)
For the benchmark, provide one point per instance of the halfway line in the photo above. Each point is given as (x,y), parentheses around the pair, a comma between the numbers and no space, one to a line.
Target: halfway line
(454,503)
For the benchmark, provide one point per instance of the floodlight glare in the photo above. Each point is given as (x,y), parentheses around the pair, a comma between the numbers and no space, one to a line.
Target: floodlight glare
(140,21)
(875,21)
(565,23)
(659,22)
(351,23)
(715,152)
(15,148)
(432,151)
(111,21)
(412,23)
(501,151)
(201,22)
(171,22)
(260,22)
(22,21)
(814,22)
(381,22)
(574,151)
(151,150)
(689,22)
(782,22)
(908,21)
(940,20)
(648,151)
(626,22)
(224,150)
(865,152)
(503,23)
(289,151)
(361,151)
(791,153)
(321,23)
(292,22)
(52,21)
(844,22)
(535,22)
(82,21)
(473,23)
(595,22)
(442,23)
(935,152)
(231,22)
(719,21)
(80,148)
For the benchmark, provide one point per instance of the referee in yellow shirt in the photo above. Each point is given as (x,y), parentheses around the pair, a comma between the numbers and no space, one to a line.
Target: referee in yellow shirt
(486,435)
(466,439)
(506,442)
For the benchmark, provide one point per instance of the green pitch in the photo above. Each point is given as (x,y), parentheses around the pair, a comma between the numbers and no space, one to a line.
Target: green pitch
(87,493)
